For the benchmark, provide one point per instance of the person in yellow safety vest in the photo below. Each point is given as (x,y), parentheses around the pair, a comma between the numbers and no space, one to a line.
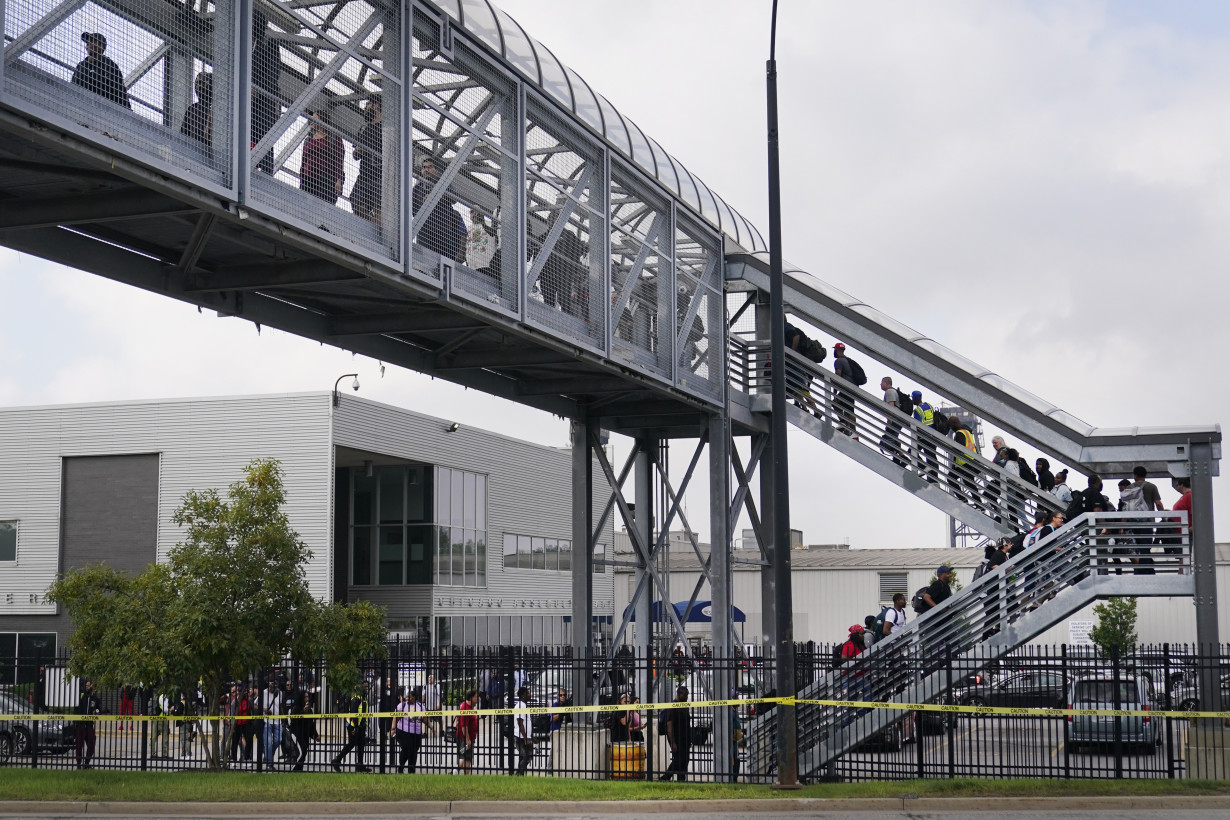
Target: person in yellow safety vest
(958,476)
(928,465)
(356,733)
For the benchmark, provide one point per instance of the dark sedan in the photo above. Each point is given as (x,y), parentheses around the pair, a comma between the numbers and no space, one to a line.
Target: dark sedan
(1043,689)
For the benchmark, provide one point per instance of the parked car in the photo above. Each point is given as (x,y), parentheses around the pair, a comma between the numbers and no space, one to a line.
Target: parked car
(53,735)
(1185,694)
(1100,692)
(1041,689)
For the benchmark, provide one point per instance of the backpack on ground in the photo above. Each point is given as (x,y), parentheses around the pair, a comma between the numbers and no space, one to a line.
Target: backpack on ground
(919,602)
(877,629)
(939,422)
(856,372)
(1027,472)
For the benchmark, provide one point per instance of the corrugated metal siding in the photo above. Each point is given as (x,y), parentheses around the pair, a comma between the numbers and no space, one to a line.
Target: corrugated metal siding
(202,442)
(529,492)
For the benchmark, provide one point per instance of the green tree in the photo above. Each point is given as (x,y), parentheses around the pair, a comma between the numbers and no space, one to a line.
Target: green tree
(230,599)
(1115,631)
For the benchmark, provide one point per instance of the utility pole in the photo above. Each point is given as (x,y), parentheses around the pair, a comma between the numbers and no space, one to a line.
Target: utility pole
(783,604)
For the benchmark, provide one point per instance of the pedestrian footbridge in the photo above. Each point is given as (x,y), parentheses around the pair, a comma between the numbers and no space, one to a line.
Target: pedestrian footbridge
(424,183)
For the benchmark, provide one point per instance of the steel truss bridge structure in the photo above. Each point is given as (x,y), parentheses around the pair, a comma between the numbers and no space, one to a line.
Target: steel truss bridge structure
(424,183)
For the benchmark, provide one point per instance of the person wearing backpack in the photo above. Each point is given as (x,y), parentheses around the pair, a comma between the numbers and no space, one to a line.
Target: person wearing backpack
(928,465)
(890,442)
(844,367)
(994,557)
(892,619)
(962,473)
(1061,490)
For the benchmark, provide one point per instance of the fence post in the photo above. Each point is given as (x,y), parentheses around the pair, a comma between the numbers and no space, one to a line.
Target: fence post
(1170,767)
(143,700)
(949,725)
(382,742)
(1118,704)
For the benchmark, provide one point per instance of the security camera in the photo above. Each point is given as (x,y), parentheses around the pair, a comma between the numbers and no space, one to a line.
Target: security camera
(354,385)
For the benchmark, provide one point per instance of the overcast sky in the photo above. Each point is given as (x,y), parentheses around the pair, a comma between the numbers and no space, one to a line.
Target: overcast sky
(1044,187)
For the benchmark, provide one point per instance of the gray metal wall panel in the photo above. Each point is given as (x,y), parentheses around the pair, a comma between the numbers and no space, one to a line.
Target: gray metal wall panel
(110,512)
(202,442)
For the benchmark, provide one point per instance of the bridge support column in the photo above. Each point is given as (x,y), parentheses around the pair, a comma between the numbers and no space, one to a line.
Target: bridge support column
(1204,567)
(583,432)
(720,588)
(642,476)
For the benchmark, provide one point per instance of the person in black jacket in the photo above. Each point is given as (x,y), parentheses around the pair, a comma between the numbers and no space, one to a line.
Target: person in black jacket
(100,74)
(356,733)
(266,77)
(88,704)
(678,722)
(198,118)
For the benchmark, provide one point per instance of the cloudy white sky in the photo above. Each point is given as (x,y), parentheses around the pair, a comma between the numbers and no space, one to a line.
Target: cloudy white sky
(1042,186)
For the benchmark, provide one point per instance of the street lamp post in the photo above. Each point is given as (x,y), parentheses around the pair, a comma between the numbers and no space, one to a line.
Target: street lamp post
(783,605)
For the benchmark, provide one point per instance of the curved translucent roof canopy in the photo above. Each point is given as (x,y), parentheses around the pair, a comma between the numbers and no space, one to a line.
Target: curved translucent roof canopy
(539,66)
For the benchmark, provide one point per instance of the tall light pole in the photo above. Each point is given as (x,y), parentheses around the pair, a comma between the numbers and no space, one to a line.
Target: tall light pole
(783,605)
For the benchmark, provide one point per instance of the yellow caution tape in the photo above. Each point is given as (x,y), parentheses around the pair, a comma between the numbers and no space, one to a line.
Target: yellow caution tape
(623,707)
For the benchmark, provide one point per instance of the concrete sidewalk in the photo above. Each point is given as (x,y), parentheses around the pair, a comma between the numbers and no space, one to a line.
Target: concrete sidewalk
(624,808)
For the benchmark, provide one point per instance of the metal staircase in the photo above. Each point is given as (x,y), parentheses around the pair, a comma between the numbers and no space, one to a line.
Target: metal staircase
(1096,556)
(911,455)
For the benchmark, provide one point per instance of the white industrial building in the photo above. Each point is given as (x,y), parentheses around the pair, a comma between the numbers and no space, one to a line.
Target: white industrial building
(835,587)
(462,534)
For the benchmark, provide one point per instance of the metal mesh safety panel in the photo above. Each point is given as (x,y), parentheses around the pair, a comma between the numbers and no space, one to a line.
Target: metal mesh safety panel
(699,319)
(565,230)
(151,78)
(464,146)
(640,274)
(325,108)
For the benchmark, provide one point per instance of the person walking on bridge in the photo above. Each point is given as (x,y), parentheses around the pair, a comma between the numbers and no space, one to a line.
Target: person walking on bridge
(924,414)
(841,396)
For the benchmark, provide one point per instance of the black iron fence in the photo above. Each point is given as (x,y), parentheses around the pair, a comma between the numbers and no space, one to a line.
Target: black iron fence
(1040,712)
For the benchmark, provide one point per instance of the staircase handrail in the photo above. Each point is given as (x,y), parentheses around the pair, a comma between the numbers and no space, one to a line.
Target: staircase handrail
(1093,544)
(936,458)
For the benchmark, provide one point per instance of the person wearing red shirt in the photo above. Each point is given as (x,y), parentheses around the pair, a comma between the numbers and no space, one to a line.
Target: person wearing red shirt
(321,171)
(467,733)
(1183,486)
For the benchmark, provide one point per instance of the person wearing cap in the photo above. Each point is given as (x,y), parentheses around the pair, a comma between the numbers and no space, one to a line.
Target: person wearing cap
(98,73)
(856,680)
(678,722)
(924,414)
(941,589)
(843,399)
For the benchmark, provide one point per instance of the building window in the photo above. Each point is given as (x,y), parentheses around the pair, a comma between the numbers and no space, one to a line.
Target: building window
(536,552)
(461,519)
(392,535)
(8,540)
(892,583)
(22,653)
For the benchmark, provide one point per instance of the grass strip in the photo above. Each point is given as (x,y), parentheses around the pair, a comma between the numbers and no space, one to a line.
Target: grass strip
(227,787)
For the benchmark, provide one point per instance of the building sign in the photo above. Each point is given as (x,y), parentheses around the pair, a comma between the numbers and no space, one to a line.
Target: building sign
(1079,633)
